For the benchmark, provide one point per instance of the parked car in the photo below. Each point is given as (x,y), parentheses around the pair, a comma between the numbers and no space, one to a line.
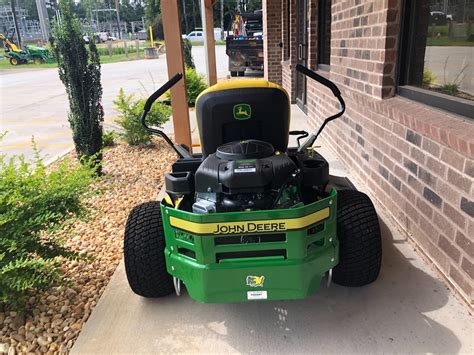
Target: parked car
(196,36)
(439,18)
(102,36)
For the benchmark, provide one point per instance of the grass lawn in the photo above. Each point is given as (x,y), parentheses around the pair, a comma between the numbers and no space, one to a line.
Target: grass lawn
(446,41)
(219,42)
(104,59)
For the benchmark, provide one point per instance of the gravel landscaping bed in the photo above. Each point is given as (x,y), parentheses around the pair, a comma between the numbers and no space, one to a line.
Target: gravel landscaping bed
(54,318)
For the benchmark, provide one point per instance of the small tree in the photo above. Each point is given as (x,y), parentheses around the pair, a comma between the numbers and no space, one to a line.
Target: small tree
(130,111)
(79,70)
(187,53)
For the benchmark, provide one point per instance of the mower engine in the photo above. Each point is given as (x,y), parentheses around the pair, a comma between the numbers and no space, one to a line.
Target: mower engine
(248,176)
(244,176)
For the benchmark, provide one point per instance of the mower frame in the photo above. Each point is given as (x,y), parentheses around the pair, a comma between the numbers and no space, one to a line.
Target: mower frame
(296,248)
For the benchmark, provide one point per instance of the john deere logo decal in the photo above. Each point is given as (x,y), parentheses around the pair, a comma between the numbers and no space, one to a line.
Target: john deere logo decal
(242,112)
(255,281)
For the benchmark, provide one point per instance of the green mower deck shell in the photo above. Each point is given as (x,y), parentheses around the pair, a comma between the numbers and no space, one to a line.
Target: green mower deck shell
(218,258)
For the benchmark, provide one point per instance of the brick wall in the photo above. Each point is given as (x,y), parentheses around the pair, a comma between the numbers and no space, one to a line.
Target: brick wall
(364,45)
(272,29)
(417,161)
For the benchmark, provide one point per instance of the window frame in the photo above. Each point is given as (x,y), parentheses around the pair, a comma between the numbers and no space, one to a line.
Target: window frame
(442,101)
(321,28)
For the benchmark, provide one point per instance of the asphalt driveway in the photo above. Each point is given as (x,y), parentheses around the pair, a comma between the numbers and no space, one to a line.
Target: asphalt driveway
(33,103)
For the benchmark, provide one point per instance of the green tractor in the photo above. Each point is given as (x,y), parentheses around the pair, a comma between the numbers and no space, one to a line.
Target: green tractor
(39,55)
(17,56)
(250,218)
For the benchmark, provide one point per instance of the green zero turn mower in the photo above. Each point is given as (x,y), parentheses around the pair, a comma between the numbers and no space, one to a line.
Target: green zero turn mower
(250,218)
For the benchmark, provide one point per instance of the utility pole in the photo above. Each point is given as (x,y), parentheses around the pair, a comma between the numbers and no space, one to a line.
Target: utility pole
(186,28)
(194,14)
(207,16)
(118,19)
(43,18)
(18,37)
(222,19)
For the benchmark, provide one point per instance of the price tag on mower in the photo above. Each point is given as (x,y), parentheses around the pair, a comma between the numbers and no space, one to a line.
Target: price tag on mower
(257,295)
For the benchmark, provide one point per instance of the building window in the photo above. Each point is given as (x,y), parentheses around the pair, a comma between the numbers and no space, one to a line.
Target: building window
(437,54)
(324,34)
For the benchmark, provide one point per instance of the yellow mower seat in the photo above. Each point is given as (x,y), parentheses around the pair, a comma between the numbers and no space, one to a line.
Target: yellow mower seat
(243,109)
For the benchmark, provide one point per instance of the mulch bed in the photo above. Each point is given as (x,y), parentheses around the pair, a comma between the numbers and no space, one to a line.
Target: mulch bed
(54,318)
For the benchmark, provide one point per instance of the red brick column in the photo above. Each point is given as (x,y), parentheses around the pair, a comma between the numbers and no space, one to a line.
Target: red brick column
(272,49)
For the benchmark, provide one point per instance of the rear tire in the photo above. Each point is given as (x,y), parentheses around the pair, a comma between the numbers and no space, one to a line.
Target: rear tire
(241,73)
(144,245)
(14,61)
(360,246)
(233,73)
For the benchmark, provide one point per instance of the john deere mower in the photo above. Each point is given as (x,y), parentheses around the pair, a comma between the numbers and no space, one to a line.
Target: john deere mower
(17,56)
(12,52)
(250,218)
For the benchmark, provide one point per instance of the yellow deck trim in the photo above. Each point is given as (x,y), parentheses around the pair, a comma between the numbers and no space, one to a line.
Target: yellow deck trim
(258,226)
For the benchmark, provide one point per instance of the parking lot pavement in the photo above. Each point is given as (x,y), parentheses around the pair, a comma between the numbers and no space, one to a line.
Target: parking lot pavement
(446,63)
(33,103)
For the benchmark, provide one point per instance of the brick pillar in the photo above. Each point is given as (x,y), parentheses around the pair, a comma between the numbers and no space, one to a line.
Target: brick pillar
(364,47)
(272,40)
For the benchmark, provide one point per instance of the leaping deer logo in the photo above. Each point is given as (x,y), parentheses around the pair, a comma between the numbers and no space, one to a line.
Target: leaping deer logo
(242,111)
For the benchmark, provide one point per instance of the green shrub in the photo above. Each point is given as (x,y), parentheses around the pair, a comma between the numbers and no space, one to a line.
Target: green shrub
(195,84)
(33,201)
(131,110)
(187,53)
(108,138)
(428,78)
(79,71)
(450,89)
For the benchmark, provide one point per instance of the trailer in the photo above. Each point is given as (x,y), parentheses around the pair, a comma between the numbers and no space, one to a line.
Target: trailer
(245,47)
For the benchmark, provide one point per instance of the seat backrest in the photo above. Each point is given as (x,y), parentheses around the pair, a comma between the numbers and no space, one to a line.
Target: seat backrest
(243,109)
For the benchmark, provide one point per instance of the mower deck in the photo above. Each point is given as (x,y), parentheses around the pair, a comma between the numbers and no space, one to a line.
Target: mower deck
(241,256)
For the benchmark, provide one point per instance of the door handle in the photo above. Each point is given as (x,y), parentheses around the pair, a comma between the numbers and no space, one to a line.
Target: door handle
(301,54)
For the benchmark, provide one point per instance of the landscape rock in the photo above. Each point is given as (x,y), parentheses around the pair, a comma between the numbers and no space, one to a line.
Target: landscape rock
(54,318)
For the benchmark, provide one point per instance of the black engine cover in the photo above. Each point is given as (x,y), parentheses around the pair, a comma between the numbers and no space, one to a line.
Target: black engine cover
(243,175)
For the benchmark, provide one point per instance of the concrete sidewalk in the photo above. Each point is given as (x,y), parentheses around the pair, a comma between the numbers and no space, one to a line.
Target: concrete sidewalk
(408,309)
